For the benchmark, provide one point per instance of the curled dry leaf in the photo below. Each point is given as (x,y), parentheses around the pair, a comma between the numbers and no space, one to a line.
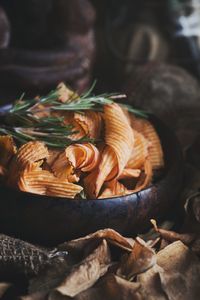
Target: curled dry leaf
(70,280)
(152,234)
(111,287)
(180,279)
(172,236)
(138,261)
(176,275)
(151,288)
(84,275)
(124,289)
(110,235)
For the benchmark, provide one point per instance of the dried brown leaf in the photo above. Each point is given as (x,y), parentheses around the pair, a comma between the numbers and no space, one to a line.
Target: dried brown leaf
(172,236)
(69,280)
(85,274)
(181,276)
(176,275)
(110,235)
(115,288)
(110,287)
(139,260)
(151,288)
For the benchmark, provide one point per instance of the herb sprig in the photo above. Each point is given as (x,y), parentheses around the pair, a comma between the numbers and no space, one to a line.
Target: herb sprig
(22,122)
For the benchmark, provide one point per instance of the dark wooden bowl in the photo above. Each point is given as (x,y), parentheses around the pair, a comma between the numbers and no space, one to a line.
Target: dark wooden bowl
(50,220)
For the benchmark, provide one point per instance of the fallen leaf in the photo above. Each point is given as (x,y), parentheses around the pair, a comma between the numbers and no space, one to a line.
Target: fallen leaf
(71,280)
(139,260)
(84,275)
(172,236)
(110,235)
(176,275)
(110,287)
(181,276)
(151,288)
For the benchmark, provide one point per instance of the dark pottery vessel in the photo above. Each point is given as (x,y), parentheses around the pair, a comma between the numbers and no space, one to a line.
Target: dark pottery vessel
(49,220)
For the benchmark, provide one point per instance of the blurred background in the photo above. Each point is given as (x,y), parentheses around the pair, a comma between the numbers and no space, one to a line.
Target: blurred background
(148,49)
(43,42)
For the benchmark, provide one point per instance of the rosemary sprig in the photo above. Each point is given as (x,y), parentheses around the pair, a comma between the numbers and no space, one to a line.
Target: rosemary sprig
(86,101)
(50,137)
(22,121)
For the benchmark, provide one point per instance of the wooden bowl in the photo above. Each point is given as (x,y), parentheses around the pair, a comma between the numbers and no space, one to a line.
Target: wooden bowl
(49,220)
